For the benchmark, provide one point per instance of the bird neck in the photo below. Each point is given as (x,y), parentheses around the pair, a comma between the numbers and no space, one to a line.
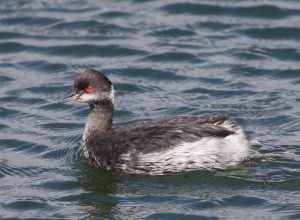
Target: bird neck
(99,122)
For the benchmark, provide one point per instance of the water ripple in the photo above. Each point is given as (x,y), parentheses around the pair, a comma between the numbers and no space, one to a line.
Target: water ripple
(154,74)
(38,21)
(273,33)
(92,27)
(259,11)
(174,32)
(172,57)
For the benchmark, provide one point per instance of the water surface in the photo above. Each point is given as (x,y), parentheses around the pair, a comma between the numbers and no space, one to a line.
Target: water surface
(165,58)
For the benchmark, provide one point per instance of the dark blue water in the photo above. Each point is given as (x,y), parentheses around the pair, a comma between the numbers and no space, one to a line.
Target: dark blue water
(165,58)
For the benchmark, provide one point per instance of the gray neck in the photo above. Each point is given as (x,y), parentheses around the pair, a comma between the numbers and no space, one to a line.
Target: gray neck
(99,122)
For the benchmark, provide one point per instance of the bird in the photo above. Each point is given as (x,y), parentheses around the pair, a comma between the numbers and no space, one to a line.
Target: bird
(162,146)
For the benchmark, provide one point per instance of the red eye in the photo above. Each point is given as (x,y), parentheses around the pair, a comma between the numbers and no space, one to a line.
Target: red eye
(88,89)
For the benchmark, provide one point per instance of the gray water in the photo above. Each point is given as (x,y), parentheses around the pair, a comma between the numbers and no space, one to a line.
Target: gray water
(165,58)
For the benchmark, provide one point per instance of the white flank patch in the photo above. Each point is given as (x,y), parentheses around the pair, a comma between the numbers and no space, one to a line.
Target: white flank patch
(207,153)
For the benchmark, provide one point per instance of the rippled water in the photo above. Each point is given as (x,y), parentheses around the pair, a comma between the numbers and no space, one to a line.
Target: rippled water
(165,58)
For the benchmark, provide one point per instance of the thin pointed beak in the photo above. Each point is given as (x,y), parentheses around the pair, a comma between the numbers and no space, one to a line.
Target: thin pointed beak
(72,97)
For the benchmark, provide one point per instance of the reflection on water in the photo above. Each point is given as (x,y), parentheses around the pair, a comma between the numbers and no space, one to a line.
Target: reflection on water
(165,58)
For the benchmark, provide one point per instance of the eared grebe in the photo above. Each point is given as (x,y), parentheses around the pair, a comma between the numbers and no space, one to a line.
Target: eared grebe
(154,147)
